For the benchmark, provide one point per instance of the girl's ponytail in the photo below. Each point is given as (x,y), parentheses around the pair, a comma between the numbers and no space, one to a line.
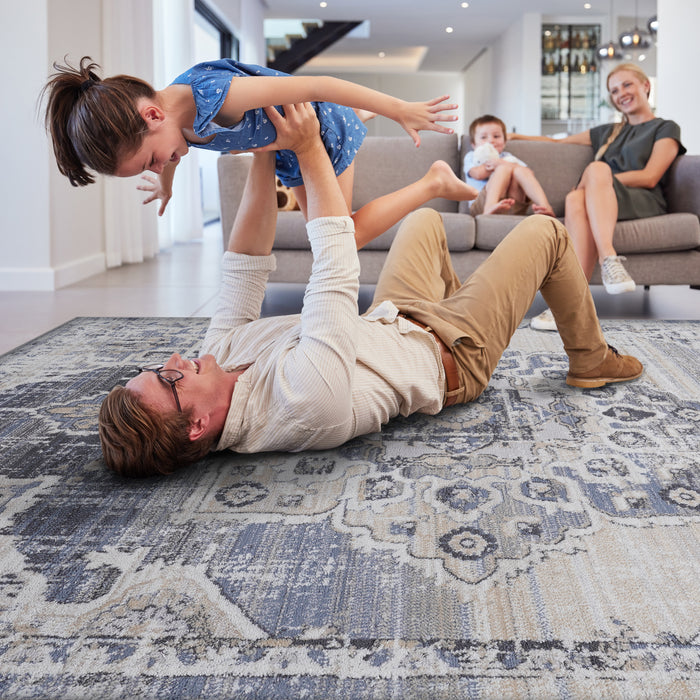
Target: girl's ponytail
(93,123)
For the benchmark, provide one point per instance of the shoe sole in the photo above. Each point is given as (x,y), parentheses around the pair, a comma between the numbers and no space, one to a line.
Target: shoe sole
(543,327)
(620,288)
(595,382)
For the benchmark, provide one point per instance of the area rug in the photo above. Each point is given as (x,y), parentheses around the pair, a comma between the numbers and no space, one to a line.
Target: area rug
(542,542)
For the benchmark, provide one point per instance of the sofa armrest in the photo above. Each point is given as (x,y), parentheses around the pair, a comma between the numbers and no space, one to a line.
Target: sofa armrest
(682,191)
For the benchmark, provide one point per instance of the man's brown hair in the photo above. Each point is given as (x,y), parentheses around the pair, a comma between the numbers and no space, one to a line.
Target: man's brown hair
(93,123)
(486,119)
(138,441)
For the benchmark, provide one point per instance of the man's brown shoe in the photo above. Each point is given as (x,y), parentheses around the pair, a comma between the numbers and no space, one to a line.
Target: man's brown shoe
(614,368)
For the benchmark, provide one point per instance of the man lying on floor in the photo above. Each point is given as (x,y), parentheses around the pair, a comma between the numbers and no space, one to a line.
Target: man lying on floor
(318,379)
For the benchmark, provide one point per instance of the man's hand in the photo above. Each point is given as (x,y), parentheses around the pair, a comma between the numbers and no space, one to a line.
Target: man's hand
(296,130)
(423,116)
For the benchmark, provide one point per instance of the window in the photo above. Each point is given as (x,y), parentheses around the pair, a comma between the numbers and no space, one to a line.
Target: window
(210,23)
(212,40)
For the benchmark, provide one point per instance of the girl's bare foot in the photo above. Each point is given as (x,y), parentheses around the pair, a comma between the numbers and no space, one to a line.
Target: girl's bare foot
(540,209)
(447,185)
(364,115)
(500,207)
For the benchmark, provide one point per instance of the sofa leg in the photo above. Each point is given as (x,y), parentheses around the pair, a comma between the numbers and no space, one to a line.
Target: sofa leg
(695,286)
(646,287)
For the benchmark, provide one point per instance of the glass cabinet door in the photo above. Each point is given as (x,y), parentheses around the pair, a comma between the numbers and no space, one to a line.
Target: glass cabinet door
(570,78)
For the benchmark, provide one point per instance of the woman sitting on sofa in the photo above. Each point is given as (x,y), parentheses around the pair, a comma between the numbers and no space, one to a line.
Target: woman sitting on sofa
(625,180)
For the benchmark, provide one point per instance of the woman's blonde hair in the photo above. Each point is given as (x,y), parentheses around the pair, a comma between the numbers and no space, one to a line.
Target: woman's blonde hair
(643,78)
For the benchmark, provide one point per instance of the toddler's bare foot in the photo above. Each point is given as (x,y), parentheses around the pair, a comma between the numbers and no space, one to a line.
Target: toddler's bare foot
(540,209)
(364,115)
(447,185)
(500,207)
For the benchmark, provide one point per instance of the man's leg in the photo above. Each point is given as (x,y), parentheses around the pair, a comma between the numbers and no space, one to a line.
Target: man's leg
(418,265)
(537,255)
(479,317)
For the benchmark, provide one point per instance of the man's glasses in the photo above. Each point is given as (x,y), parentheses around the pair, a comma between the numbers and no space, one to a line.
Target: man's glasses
(169,376)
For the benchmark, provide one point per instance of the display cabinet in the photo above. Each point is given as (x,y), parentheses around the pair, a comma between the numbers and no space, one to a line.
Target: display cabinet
(570,77)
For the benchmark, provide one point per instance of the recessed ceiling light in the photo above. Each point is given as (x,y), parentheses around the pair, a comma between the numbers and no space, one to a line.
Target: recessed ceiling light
(465,5)
(381,54)
(449,30)
(586,5)
(323,4)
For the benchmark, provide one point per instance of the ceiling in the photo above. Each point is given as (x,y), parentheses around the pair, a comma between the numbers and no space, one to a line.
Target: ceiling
(412,33)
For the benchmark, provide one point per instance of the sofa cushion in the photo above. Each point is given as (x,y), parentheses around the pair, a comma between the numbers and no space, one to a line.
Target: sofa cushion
(491,229)
(656,234)
(387,163)
(291,233)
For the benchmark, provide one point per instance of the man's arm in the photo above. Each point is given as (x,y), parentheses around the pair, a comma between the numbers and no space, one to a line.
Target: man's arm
(298,131)
(315,379)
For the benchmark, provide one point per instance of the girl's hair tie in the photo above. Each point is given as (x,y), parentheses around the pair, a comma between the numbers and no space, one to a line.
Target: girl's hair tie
(86,84)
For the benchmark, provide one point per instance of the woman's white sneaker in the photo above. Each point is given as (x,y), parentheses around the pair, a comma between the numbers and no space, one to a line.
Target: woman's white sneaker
(543,321)
(615,278)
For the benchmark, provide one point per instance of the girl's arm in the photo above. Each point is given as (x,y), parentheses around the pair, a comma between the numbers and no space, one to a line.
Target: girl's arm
(662,155)
(160,187)
(583,138)
(264,91)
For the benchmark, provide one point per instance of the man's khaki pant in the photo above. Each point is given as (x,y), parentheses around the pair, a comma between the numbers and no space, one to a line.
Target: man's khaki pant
(477,319)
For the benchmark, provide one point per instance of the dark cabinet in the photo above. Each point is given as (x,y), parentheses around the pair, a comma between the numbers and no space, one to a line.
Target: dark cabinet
(570,76)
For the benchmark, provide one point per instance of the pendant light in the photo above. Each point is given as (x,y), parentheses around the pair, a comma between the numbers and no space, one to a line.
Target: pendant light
(610,50)
(635,38)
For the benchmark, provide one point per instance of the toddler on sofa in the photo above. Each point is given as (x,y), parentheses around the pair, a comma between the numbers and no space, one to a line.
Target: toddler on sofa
(506,185)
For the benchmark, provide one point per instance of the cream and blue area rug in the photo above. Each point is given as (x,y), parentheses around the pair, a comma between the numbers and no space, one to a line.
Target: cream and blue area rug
(543,542)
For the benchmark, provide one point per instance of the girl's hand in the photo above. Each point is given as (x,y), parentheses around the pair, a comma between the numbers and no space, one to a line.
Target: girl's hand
(157,191)
(423,116)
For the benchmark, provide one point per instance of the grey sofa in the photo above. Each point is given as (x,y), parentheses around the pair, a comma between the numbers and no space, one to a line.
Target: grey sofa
(659,250)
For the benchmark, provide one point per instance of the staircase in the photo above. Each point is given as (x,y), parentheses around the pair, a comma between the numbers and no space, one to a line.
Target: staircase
(294,50)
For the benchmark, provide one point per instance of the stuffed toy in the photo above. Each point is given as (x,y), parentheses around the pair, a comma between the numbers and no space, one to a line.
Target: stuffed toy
(286,201)
(485,152)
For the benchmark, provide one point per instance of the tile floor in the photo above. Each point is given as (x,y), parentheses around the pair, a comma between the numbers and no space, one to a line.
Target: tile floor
(183,281)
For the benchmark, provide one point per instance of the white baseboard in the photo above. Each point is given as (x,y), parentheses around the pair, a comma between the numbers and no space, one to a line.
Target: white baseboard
(47,279)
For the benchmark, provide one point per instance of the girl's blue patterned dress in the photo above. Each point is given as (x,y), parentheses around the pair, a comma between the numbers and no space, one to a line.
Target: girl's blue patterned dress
(341,130)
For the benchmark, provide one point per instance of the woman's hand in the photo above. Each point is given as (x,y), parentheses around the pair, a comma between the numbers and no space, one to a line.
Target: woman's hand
(423,116)
(157,190)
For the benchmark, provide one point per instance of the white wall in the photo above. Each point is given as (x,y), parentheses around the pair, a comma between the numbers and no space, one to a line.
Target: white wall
(53,234)
(477,88)
(24,200)
(47,228)
(516,75)
(678,54)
